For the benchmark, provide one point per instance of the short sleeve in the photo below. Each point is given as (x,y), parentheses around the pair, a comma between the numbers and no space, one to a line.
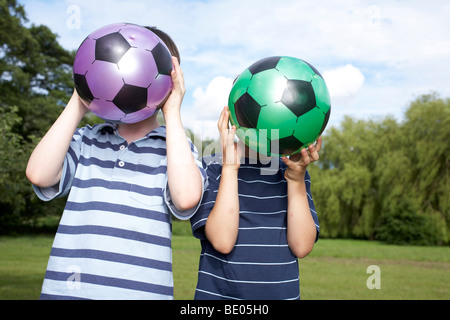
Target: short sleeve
(198,221)
(185,215)
(312,207)
(62,188)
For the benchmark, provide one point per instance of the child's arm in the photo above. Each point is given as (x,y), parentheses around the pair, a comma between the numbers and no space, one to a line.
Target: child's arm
(301,230)
(184,178)
(46,161)
(222,225)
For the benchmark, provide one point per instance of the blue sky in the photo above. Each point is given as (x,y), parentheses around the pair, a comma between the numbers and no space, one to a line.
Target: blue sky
(376,56)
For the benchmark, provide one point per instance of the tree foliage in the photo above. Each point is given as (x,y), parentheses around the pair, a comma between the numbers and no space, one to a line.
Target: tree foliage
(35,83)
(387,180)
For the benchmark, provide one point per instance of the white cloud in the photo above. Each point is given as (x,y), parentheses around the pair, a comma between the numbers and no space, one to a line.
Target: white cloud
(209,103)
(206,107)
(343,82)
(205,129)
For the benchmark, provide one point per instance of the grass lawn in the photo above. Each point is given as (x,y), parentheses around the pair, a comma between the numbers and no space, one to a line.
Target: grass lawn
(336,269)
(22,267)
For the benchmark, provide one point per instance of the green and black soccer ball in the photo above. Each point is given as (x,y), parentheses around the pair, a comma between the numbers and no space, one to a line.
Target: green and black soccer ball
(279,105)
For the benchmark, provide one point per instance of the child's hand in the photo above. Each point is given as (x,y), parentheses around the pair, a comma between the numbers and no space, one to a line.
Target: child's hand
(75,102)
(173,103)
(231,151)
(297,164)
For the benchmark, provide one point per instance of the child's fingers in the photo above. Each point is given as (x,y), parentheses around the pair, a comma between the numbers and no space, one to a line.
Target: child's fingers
(223,130)
(219,123)
(318,145)
(230,136)
(294,160)
(177,75)
(179,72)
(223,121)
(174,74)
(176,66)
(291,164)
(306,159)
(240,150)
(313,153)
(230,146)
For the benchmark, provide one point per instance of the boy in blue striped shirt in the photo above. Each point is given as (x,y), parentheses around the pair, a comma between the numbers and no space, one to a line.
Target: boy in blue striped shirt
(254,221)
(122,181)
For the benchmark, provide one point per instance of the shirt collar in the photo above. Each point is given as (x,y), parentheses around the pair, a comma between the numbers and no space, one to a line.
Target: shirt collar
(157,132)
(103,126)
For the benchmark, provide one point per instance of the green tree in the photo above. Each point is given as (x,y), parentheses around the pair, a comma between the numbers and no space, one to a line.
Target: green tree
(35,71)
(12,158)
(387,180)
(35,83)
(346,179)
(427,134)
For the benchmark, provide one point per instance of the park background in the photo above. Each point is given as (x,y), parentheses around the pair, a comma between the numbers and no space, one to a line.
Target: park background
(381,187)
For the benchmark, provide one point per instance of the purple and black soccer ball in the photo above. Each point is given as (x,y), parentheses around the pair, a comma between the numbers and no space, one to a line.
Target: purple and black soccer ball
(122,73)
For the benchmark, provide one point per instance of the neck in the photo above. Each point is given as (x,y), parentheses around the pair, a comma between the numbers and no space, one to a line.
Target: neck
(134,131)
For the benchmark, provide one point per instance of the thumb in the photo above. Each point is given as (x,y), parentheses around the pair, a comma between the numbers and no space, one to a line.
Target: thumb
(288,162)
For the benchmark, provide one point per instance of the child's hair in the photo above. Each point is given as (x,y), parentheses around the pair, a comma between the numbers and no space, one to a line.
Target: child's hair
(167,40)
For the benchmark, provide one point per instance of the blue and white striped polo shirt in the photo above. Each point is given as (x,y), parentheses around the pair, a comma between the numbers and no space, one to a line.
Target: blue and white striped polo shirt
(114,238)
(261,265)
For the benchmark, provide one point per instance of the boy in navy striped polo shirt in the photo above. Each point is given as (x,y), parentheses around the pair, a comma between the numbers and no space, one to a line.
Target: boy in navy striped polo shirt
(255,219)
(114,238)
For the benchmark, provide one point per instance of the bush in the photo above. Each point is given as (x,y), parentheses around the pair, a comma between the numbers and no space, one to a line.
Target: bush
(407,228)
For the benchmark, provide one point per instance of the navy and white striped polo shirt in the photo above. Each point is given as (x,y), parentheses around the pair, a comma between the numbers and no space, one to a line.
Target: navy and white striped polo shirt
(261,265)
(114,238)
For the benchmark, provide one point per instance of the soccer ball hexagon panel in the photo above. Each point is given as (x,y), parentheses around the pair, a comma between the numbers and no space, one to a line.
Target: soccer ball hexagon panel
(122,72)
(281,104)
